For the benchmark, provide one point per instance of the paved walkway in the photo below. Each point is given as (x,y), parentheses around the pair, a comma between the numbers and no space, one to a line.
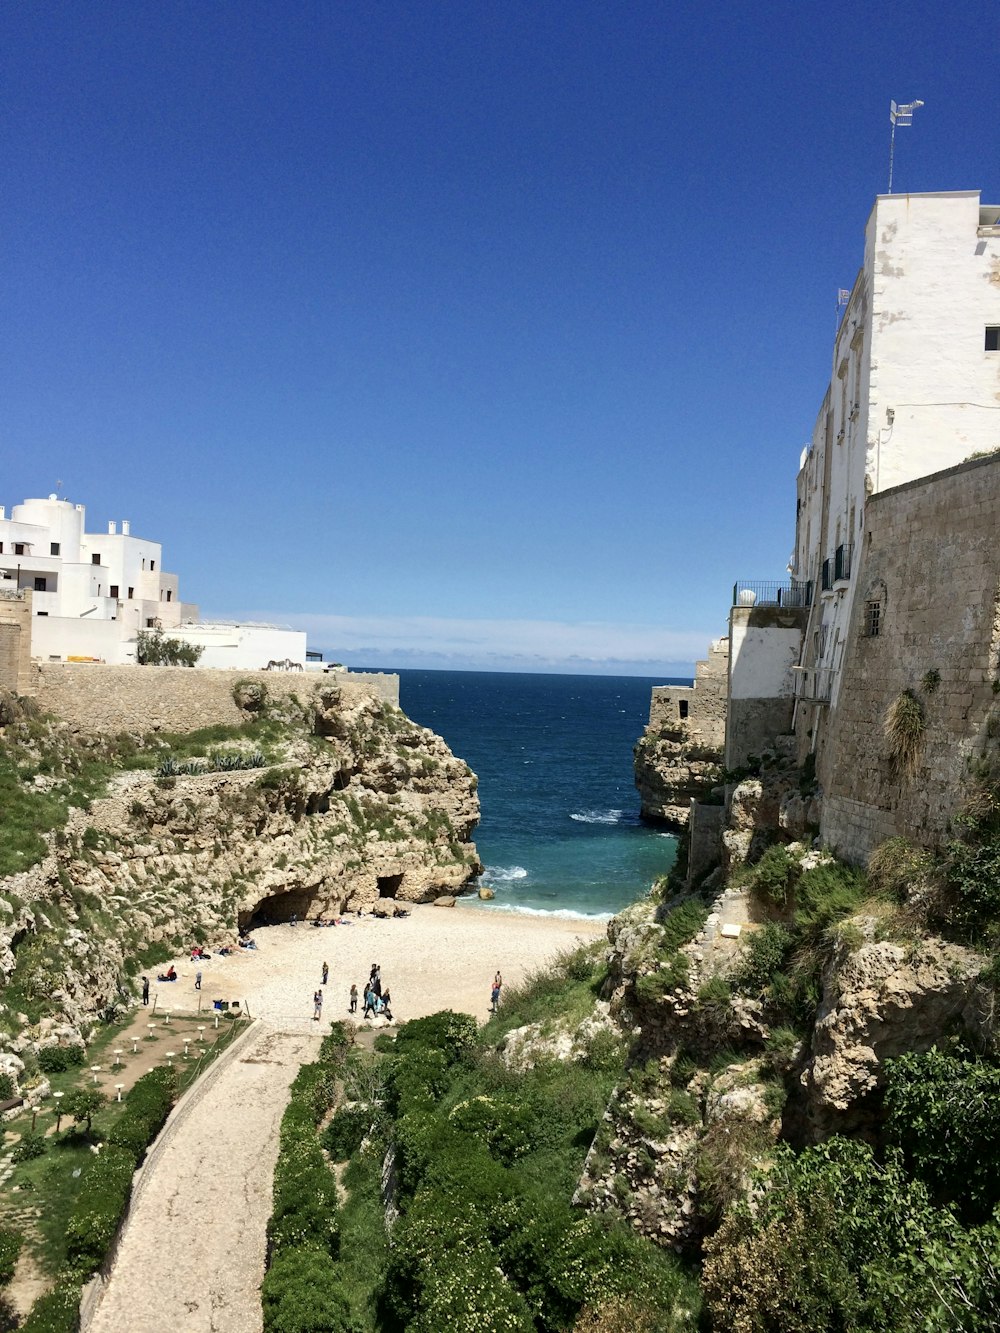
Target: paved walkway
(193,1255)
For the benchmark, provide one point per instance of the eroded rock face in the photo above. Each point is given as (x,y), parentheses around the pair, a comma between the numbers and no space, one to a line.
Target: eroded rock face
(670,771)
(360,806)
(879,1001)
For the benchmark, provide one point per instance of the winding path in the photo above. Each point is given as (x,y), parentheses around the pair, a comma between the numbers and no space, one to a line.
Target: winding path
(192,1257)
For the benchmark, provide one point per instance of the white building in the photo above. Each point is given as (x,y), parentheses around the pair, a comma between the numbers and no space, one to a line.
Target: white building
(93,592)
(915,388)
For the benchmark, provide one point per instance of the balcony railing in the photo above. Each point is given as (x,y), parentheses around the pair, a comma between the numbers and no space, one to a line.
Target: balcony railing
(813,684)
(842,561)
(755,593)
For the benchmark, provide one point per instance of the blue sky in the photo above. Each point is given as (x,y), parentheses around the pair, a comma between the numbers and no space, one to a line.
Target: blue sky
(459,333)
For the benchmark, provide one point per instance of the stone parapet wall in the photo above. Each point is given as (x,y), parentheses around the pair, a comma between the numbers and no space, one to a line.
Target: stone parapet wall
(931,560)
(98,697)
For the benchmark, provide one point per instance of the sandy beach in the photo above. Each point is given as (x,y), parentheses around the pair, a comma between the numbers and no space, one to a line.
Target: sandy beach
(436,958)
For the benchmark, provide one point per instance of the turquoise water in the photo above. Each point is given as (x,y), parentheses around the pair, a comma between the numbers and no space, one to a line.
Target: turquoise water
(560,829)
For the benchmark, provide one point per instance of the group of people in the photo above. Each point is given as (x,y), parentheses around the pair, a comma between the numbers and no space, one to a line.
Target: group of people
(377,999)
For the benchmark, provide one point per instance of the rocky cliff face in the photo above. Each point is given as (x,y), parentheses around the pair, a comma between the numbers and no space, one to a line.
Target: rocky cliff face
(348,805)
(736,1043)
(671,770)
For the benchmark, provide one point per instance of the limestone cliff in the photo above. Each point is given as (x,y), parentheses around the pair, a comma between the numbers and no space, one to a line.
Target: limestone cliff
(333,801)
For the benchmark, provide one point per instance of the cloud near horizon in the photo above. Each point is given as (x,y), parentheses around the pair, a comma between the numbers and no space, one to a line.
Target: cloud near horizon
(525,645)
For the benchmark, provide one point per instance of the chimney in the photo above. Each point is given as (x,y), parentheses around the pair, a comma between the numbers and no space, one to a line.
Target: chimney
(111,529)
(126,527)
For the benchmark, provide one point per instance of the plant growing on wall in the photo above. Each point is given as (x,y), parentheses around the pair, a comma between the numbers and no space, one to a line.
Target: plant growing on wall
(931,680)
(904,728)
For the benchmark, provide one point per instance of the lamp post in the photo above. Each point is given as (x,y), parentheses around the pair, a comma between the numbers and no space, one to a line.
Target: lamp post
(58,1100)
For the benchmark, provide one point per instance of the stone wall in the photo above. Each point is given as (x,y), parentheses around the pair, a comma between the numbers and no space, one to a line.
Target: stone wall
(97,697)
(15,640)
(931,560)
(765,643)
(700,707)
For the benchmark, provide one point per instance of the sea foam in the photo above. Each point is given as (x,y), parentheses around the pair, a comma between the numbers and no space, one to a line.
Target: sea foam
(597,816)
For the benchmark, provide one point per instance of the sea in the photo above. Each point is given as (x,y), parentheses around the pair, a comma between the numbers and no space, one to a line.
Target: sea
(560,831)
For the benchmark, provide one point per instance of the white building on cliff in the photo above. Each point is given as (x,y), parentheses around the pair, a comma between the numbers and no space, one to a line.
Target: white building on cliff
(92,592)
(914,389)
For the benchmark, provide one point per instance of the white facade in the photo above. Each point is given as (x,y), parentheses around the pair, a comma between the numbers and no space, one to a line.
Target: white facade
(915,388)
(93,592)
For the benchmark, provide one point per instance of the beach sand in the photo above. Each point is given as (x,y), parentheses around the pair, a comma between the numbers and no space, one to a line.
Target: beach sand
(436,958)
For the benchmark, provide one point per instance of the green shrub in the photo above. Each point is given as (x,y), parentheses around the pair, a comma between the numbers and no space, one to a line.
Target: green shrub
(28,1147)
(775,876)
(10,1248)
(104,1193)
(57,1059)
(58,1311)
(147,1106)
(301,1293)
(824,895)
(943,1112)
(764,953)
(681,924)
(344,1134)
(7,1086)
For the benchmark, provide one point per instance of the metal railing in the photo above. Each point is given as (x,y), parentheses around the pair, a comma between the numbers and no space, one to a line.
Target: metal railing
(756,593)
(842,561)
(826,575)
(813,685)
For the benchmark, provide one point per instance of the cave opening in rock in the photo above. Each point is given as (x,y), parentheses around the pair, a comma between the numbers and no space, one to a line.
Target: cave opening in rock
(388,885)
(278,909)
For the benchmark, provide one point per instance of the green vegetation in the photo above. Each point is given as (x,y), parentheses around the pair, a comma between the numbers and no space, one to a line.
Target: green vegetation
(486,1161)
(904,728)
(153,648)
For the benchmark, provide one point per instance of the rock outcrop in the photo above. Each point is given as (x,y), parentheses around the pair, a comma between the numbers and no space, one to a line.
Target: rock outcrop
(670,771)
(352,805)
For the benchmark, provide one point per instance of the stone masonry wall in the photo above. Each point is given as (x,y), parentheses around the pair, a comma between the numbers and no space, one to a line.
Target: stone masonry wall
(97,697)
(15,640)
(931,558)
(706,700)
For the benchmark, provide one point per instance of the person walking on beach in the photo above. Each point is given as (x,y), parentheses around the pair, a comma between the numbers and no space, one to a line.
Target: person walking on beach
(369,1010)
(145,990)
(197,981)
(317,1006)
(386,1005)
(495,993)
(326,973)
(354,999)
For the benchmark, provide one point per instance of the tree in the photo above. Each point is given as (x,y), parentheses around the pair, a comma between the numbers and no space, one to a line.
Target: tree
(152,648)
(84,1105)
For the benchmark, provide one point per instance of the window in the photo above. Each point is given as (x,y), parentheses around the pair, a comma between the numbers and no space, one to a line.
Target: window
(95,559)
(131,593)
(41,613)
(993,337)
(1,548)
(873,619)
(53,548)
(170,595)
(150,624)
(40,584)
(682,708)
(114,591)
(152,565)
(19,548)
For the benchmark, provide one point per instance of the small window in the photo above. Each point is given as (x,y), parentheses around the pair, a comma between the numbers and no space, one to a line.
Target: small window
(170,595)
(53,548)
(151,624)
(682,708)
(131,593)
(95,559)
(993,337)
(152,565)
(114,591)
(19,548)
(41,613)
(39,585)
(873,619)
(1,548)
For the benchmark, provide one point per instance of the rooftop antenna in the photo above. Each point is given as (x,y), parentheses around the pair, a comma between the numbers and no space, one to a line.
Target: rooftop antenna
(899,115)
